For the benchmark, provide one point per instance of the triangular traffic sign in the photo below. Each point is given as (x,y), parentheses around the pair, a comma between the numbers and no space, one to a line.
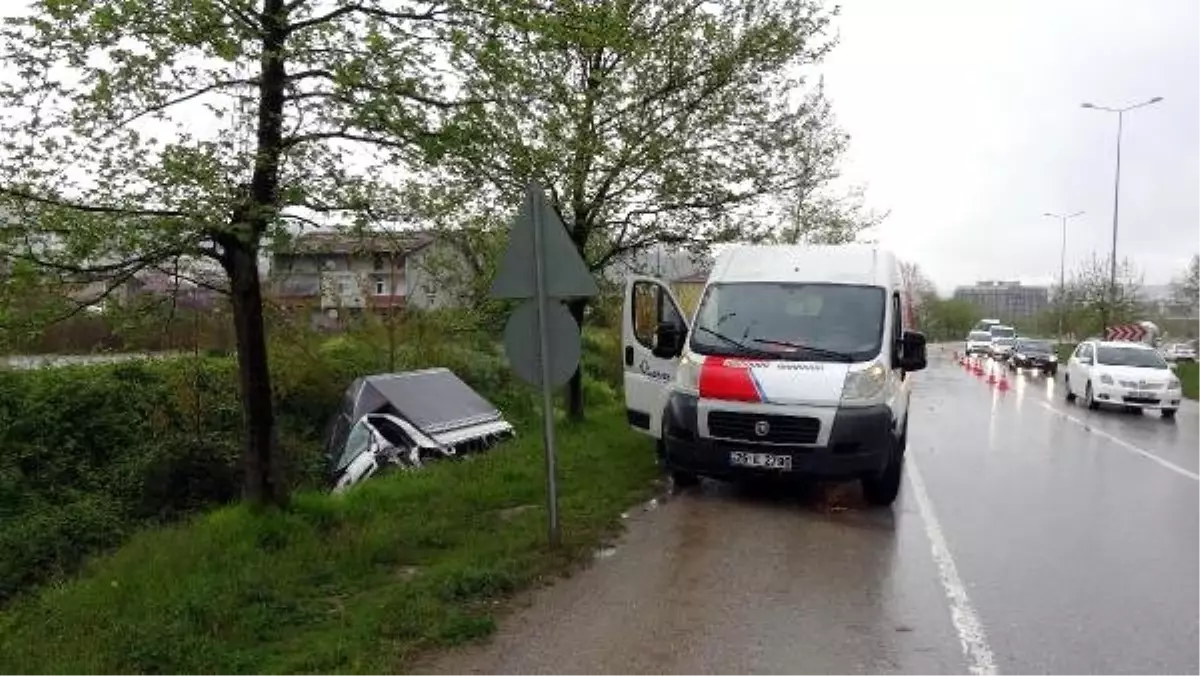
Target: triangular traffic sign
(567,275)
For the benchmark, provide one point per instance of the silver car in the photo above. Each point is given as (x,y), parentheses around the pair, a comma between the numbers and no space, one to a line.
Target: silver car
(1001,348)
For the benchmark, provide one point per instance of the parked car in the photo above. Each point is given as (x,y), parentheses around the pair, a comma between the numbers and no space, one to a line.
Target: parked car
(798,362)
(1132,375)
(979,342)
(1178,352)
(1032,353)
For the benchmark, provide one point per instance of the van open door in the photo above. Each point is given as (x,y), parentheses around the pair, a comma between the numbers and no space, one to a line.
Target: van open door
(653,333)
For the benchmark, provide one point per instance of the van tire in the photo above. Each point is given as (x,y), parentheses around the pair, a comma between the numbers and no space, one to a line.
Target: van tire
(882,489)
(1067,387)
(684,479)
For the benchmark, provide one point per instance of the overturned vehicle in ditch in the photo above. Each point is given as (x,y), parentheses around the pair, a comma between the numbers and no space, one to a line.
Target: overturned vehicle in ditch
(405,420)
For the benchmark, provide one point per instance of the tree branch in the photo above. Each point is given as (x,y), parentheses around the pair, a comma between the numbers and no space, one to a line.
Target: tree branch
(239,13)
(363,9)
(346,135)
(195,94)
(92,208)
(376,89)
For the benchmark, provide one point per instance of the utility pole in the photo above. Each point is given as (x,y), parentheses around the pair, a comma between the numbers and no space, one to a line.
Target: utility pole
(1112,281)
(1062,270)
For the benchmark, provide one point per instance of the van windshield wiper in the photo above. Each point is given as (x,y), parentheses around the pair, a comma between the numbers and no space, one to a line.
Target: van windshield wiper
(733,341)
(844,356)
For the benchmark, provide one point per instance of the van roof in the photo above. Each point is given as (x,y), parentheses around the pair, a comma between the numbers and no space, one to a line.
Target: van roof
(840,264)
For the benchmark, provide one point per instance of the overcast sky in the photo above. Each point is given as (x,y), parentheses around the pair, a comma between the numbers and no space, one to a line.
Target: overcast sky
(966,122)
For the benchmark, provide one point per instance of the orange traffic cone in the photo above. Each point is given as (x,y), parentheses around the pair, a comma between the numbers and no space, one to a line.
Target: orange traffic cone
(1003,384)
(991,377)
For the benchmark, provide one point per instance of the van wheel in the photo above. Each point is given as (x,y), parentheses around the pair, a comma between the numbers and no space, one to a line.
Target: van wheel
(684,479)
(881,490)
(1067,387)
(1089,398)
(1168,413)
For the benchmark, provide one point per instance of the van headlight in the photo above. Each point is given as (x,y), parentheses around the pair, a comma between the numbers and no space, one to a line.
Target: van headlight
(864,385)
(687,376)
(1106,379)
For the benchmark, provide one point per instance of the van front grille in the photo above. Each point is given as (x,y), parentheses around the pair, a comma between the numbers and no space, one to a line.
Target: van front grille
(779,429)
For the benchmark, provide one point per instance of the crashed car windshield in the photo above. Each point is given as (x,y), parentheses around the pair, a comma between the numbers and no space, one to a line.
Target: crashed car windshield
(358,441)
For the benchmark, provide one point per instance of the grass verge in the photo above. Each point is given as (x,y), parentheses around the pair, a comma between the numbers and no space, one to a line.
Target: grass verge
(1189,375)
(357,583)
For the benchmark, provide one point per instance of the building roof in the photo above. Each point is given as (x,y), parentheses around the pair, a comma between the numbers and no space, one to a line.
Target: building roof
(326,242)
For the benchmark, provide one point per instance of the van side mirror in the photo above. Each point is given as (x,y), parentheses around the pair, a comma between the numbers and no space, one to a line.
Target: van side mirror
(668,340)
(912,351)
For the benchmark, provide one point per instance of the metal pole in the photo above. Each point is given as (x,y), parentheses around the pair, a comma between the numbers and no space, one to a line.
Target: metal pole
(539,268)
(1062,281)
(1112,281)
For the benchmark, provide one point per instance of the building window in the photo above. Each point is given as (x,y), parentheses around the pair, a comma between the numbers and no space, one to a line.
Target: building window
(380,287)
(378,262)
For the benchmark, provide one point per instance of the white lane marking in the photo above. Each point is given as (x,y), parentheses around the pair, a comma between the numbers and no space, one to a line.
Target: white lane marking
(962,614)
(1122,443)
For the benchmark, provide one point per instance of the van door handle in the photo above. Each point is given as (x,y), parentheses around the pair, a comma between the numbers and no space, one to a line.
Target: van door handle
(629,355)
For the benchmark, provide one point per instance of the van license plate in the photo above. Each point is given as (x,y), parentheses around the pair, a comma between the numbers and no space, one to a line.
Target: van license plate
(764,460)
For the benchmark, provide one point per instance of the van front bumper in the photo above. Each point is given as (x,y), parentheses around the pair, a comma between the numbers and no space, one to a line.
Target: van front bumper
(859,444)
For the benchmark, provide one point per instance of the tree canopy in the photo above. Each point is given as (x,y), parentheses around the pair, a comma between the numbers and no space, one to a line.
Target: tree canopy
(140,134)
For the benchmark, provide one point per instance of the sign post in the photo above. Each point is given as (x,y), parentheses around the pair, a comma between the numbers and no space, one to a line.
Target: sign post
(542,267)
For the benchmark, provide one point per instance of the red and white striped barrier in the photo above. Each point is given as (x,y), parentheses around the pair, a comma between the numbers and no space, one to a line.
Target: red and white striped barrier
(1128,332)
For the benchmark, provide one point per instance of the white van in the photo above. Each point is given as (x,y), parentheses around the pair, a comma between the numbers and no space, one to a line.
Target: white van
(796,361)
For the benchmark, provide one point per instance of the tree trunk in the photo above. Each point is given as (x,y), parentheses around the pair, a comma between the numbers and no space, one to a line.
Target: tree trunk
(575,410)
(262,483)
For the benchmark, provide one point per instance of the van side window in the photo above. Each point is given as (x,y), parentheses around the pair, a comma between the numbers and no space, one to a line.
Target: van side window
(650,307)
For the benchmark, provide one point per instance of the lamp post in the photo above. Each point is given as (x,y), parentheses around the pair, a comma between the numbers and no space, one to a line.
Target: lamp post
(1062,269)
(1112,282)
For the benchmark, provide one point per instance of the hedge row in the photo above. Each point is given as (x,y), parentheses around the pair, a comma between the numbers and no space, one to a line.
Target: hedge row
(90,454)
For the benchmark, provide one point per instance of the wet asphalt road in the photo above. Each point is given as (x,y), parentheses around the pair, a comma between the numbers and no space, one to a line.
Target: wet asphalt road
(1031,536)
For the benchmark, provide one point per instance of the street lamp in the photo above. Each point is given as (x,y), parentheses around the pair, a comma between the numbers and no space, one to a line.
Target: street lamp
(1112,282)
(1062,268)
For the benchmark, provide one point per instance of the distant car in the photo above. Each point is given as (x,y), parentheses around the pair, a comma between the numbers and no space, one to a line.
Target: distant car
(1179,352)
(985,324)
(1132,375)
(979,342)
(1001,348)
(1002,331)
(1031,353)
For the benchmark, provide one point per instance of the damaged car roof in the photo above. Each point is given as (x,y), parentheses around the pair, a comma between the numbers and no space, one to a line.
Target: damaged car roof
(435,400)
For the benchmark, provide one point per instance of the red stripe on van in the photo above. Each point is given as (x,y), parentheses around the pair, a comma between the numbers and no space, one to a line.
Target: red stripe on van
(727,383)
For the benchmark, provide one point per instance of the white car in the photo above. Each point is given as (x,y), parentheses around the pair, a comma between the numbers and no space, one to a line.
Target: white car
(979,342)
(1001,348)
(1179,352)
(1132,375)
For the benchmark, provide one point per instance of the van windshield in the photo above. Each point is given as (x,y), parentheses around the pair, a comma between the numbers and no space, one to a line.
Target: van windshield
(833,319)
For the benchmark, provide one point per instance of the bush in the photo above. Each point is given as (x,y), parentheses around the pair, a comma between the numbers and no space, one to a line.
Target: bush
(1189,375)
(111,448)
